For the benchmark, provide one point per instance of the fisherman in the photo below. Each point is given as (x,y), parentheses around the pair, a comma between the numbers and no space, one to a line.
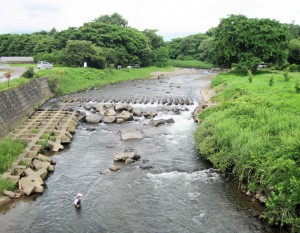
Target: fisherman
(77,201)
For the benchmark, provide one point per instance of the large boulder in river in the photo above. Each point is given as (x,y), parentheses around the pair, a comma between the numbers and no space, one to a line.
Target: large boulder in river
(123,156)
(137,112)
(131,134)
(125,115)
(109,119)
(111,112)
(93,118)
(150,115)
(161,121)
(119,107)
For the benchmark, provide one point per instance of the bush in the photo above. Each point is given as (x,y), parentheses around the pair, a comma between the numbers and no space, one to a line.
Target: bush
(294,68)
(29,73)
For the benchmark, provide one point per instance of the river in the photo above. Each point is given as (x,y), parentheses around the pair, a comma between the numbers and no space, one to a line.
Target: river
(180,193)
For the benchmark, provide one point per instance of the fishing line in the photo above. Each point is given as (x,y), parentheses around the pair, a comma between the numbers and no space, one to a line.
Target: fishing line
(89,190)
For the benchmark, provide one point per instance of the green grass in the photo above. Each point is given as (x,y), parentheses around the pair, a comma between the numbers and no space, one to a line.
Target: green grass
(71,80)
(5,185)
(190,64)
(254,136)
(13,83)
(9,150)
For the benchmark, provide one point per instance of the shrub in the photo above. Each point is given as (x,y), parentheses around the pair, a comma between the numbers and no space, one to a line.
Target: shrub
(294,67)
(29,73)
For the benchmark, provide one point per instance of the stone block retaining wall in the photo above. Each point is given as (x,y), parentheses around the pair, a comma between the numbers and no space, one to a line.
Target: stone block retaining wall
(17,104)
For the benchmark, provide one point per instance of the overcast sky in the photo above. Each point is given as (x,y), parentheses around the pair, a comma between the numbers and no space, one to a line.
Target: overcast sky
(172,18)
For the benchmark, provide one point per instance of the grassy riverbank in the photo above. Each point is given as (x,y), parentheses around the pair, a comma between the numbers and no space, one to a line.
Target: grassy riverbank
(254,136)
(9,151)
(190,64)
(65,80)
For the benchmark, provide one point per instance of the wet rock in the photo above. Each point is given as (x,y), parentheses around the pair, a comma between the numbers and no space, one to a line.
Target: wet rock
(150,115)
(99,107)
(125,115)
(80,115)
(120,121)
(88,106)
(114,168)
(131,134)
(161,122)
(129,161)
(109,119)
(145,166)
(93,118)
(167,121)
(119,107)
(155,123)
(111,112)
(137,112)
(91,128)
(123,156)
(175,109)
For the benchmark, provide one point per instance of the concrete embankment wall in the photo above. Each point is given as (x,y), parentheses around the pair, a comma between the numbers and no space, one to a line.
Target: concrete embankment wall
(19,103)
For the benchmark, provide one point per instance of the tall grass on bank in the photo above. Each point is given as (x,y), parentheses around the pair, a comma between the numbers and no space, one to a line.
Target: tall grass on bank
(67,80)
(9,150)
(190,64)
(254,136)
(13,83)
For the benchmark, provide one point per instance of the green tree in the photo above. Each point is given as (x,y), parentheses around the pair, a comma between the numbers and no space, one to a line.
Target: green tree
(161,57)
(46,45)
(114,19)
(294,51)
(78,51)
(174,47)
(156,41)
(247,42)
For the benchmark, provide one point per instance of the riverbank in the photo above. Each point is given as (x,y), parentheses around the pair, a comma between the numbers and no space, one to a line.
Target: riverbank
(253,136)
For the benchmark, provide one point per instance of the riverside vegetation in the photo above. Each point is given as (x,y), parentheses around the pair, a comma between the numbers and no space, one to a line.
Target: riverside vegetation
(253,135)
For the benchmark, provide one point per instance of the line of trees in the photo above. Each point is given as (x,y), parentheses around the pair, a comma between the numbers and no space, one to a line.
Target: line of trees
(237,41)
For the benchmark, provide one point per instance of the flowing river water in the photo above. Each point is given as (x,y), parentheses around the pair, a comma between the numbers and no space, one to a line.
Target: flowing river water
(180,193)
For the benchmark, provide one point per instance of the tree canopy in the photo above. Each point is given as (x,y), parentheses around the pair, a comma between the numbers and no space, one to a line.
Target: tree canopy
(248,41)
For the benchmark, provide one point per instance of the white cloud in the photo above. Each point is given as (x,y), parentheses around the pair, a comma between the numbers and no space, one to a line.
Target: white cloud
(170,17)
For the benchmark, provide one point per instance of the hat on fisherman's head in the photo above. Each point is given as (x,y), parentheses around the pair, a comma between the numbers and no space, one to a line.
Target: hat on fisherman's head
(79,195)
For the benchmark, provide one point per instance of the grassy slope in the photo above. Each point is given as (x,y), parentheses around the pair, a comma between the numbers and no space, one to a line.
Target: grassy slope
(77,79)
(190,64)
(254,135)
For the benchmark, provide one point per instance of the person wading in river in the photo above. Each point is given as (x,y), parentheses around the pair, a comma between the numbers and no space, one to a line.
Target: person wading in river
(77,201)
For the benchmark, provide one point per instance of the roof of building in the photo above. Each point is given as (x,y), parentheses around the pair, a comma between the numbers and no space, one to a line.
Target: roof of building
(17,59)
